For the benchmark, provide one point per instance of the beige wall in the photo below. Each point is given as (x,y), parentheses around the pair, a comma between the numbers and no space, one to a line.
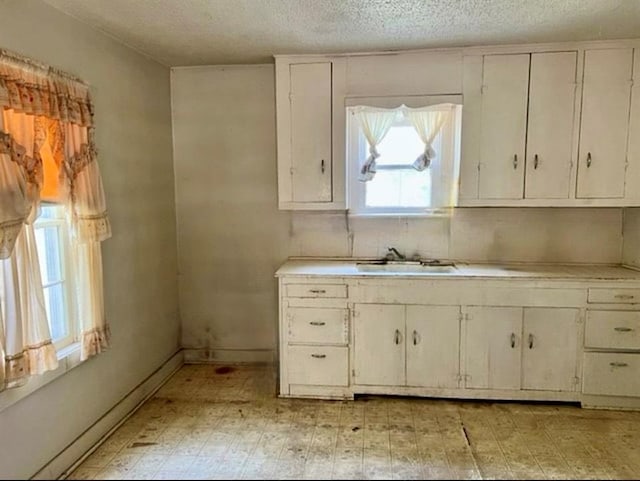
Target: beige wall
(631,234)
(131,95)
(232,237)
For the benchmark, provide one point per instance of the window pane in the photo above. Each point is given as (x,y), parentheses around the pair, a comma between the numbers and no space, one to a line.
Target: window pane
(399,188)
(401,145)
(48,243)
(50,211)
(55,304)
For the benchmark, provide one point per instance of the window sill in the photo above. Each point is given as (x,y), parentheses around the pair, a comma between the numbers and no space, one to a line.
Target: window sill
(399,215)
(68,358)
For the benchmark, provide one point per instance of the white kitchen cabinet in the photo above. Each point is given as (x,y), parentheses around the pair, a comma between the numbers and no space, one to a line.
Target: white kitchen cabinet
(310,124)
(604,124)
(433,346)
(552,93)
(492,347)
(550,349)
(505,86)
(379,344)
(310,100)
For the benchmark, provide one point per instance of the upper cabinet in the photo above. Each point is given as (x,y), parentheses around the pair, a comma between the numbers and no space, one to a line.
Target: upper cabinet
(551,128)
(310,133)
(504,126)
(604,126)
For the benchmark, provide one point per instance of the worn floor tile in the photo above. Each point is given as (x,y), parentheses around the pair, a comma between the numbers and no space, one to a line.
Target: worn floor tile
(211,424)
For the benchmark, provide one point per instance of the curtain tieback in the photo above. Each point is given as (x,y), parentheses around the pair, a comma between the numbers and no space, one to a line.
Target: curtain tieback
(424,160)
(368,169)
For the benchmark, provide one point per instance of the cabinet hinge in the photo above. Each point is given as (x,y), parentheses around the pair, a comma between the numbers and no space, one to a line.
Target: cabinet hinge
(576,380)
(353,373)
(461,317)
(483,89)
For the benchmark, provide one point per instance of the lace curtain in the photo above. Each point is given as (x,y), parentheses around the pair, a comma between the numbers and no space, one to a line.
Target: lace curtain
(46,116)
(376,122)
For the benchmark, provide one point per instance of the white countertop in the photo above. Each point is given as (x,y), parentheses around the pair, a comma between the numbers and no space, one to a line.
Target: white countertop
(348,268)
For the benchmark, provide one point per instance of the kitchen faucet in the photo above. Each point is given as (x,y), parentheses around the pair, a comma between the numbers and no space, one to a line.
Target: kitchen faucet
(392,253)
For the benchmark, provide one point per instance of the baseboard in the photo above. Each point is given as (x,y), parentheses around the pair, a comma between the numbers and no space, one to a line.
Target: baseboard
(65,462)
(232,356)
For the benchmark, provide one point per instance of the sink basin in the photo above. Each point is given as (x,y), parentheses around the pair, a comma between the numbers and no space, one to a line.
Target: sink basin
(406,266)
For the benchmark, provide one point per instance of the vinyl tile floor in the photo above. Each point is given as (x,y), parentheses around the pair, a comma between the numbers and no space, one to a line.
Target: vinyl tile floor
(214,422)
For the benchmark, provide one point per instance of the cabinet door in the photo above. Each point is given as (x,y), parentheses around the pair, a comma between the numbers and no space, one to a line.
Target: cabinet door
(604,123)
(550,349)
(504,121)
(310,97)
(379,344)
(550,127)
(492,347)
(433,346)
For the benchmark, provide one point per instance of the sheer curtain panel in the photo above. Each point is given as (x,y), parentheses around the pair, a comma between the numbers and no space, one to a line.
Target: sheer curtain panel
(47,153)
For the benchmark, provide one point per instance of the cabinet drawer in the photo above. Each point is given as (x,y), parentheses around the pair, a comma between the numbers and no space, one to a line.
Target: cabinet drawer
(612,330)
(318,365)
(614,296)
(320,326)
(611,374)
(317,290)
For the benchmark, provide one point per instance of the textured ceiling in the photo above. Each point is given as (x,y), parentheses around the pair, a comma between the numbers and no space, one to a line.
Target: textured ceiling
(200,32)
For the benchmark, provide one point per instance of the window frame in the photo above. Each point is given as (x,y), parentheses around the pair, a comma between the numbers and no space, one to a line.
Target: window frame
(60,222)
(357,149)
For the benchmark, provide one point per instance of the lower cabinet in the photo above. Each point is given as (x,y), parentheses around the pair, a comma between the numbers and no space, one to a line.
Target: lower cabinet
(396,345)
(514,348)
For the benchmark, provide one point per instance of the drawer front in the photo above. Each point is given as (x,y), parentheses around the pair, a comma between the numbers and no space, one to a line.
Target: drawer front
(317,290)
(319,326)
(612,330)
(318,365)
(611,374)
(614,296)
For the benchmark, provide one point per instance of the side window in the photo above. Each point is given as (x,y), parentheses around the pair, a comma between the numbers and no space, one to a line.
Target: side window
(56,270)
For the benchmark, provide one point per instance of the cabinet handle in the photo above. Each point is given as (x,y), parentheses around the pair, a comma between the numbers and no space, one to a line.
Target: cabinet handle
(322,165)
(396,337)
(535,161)
(415,338)
(319,356)
(622,329)
(513,340)
(318,291)
(530,341)
(515,161)
(588,159)
(317,323)
(618,364)
(624,296)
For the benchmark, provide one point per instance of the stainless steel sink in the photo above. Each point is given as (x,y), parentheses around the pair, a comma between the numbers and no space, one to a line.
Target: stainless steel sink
(406,266)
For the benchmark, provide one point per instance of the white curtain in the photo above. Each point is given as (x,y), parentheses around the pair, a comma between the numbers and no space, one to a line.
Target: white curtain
(27,345)
(45,113)
(428,122)
(375,124)
(90,226)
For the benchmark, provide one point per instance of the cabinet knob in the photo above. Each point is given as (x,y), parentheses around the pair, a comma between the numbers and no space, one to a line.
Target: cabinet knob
(535,161)
(317,323)
(319,356)
(530,341)
(622,329)
(396,337)
(415,338)
(513,340)
(322,165)
(318,291)
(588,159)
(515,161)
(624,296)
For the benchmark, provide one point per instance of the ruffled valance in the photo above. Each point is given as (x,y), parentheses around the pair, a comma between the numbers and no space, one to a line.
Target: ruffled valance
(35,89)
